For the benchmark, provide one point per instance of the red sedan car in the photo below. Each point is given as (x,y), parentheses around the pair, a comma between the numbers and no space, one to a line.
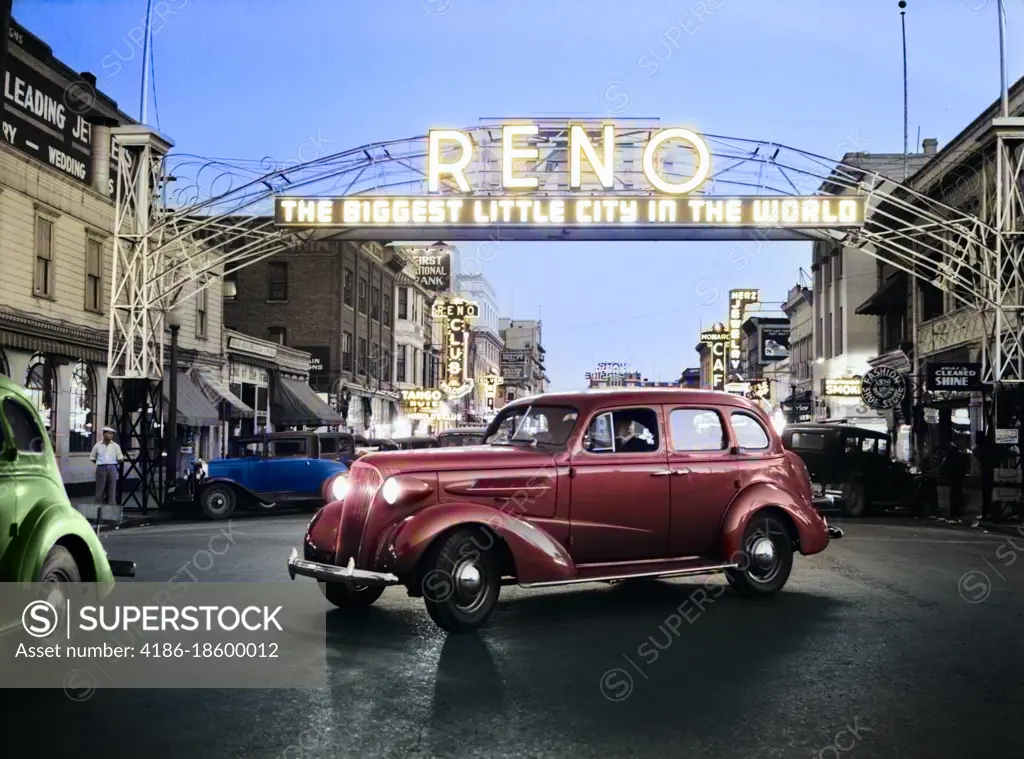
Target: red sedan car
(595,486)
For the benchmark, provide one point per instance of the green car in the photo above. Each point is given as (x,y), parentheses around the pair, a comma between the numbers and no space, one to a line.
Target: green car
(42,537)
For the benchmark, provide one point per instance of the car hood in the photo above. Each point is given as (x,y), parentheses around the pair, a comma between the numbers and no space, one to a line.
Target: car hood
(451,459)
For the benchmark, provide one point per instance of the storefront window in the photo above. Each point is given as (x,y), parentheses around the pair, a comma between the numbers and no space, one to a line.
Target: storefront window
(5,368)
(251,385)
(81,428)
(41,385)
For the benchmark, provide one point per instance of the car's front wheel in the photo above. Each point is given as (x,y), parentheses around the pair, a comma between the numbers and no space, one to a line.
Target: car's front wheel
(59,567)
(854,500)
(350,598)
(461,580)
(766,559)
(218,502)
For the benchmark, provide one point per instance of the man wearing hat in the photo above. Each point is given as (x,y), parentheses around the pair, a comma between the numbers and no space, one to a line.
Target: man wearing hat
(106,456)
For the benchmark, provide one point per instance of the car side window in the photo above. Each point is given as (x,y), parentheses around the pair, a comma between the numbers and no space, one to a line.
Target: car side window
(328,444)
(28,438)
(623,431)
(288,448)
(868,445)
(852,444)
(883,447)
(697,430)
(750,435)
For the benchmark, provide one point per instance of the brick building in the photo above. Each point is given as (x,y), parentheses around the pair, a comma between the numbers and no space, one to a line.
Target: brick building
(335,300)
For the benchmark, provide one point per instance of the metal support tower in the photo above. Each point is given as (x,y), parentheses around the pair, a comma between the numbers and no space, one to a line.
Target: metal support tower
(1003,347)
(136,347)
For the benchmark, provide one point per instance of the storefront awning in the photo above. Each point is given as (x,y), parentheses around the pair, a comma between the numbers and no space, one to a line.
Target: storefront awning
(217,392)
(891,296)
(298,405)
(194,410)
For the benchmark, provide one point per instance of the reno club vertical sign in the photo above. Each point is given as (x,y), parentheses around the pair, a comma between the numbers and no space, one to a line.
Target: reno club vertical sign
(455,315)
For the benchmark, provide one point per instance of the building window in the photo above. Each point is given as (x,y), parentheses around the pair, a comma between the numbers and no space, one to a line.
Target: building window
(43,280)
(403,303)
(82,424)
(931,301)
(277,281)
(93,274)
(818,353)
(230,288)
(5,368)
(41,384)
(362,295)
(837,267)
(400,366)
(375,303)
(839,333)
(278,335)
(361,356)
(349,279)
(387,310)
(386,366)
(201,313)
(828,335)
(346,351)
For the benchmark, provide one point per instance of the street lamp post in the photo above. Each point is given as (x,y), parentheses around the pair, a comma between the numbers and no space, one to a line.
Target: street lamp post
(171,423)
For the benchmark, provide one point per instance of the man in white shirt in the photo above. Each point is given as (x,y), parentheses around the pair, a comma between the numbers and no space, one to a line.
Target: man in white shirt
(106,456)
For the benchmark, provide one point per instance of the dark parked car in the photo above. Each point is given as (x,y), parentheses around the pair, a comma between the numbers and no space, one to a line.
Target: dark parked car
(415,443)
(570,488)
(853,466)
(274,469)
(460,436)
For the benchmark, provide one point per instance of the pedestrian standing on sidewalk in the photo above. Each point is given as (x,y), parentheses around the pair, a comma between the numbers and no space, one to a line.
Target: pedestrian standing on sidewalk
(953,467)
(106,456)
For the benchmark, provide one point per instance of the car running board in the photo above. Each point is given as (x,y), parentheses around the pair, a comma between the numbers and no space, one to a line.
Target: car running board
(703,570)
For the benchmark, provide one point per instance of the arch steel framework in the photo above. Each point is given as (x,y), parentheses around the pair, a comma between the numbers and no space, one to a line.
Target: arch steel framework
(181,218)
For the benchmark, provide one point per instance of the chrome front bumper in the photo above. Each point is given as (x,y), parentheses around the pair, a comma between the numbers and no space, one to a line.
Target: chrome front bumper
(349,575)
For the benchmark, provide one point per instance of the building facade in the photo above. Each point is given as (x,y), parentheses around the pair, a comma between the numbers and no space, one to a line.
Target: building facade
(798,398)
(921,320)
(845,340)
(334,300)
(56,244)
(523,338)
(485,346)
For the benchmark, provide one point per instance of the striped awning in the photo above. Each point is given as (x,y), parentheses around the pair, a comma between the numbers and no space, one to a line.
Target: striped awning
(194,410)
(218,392)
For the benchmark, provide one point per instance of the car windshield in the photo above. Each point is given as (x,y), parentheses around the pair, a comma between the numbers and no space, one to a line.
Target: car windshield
(535,425)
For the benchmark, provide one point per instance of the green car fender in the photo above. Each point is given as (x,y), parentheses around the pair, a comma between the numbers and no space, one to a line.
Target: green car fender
(46,525)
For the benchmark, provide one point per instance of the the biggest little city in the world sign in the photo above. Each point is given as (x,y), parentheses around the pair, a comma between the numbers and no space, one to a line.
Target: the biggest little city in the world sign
(672,207)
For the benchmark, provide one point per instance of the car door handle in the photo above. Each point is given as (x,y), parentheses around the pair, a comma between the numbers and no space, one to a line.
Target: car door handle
(666,473)
(680,471)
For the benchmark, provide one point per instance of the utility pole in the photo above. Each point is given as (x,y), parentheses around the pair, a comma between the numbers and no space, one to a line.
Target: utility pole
(1004,93)
(144,100)
(906,112)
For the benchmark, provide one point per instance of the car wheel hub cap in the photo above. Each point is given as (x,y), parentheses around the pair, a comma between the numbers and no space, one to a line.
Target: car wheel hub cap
(468,580)
(762,554)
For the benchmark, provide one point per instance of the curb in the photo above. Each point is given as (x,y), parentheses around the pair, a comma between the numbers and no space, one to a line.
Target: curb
(968,523)
(112,517)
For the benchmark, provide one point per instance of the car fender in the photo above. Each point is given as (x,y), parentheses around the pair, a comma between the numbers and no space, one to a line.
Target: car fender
(44,526)
(538,556)
(811,528)
(239,489)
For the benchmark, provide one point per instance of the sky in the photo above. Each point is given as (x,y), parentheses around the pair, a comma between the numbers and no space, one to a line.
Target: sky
(282,78)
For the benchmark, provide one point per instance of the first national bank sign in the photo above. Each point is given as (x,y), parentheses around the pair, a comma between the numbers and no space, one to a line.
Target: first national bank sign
(670,202)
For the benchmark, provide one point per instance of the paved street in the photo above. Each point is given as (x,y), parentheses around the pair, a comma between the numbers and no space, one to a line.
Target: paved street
(872,638)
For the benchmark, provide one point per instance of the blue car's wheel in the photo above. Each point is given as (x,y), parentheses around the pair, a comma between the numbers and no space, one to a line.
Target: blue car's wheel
(217,502)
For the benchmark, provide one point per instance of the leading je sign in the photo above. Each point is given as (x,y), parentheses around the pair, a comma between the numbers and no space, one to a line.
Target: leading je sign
(669,202)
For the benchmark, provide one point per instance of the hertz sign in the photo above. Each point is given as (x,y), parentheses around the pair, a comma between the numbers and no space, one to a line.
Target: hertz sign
(667,203)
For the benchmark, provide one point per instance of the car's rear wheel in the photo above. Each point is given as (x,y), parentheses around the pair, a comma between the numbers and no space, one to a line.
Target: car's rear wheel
(461,580)
(218,502)
(855,503)
(766,560)
(350,598)
(59,567)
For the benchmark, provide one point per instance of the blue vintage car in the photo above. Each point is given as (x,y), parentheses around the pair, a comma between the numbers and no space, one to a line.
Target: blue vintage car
(277,469)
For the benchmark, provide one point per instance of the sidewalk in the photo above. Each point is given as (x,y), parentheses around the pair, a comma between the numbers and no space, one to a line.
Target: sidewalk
(113,517)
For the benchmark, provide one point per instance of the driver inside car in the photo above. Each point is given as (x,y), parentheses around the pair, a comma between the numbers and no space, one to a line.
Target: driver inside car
(625,440)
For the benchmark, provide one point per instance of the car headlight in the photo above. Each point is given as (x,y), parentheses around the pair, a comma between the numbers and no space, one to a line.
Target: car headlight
(391,491)
(339,488)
